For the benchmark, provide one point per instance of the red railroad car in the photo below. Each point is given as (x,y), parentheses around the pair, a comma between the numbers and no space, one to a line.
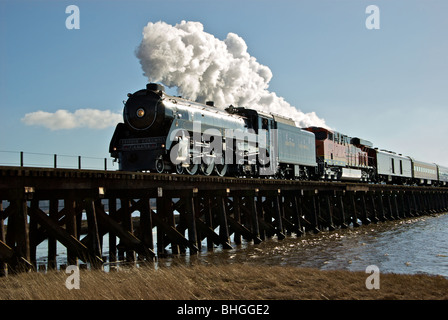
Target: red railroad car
(341,157)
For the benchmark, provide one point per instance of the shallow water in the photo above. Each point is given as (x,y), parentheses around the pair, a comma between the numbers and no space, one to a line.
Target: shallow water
(417,245)
(412,246)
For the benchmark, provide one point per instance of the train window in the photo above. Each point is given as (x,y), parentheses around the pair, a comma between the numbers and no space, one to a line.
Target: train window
(401,166)
(393,165)
(264,125)
(330,136)
(336,137)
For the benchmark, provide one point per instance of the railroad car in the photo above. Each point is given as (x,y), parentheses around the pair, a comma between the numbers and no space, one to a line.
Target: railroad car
(424,173)
(442,175)
(341,157)
(390,167)
(296,150)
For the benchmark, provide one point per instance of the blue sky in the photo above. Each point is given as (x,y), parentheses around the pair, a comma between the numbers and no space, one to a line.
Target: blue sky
(388,86)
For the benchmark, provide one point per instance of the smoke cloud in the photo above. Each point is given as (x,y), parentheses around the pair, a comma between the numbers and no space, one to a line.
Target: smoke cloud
(203,68)
(81,118)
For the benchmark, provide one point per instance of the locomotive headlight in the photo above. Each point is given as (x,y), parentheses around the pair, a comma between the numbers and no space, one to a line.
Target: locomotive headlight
(140,113)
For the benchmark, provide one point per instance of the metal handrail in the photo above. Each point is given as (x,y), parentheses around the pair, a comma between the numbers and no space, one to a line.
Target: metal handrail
(18,158)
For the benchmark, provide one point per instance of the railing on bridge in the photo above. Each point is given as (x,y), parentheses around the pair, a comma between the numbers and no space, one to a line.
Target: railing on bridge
(46,160)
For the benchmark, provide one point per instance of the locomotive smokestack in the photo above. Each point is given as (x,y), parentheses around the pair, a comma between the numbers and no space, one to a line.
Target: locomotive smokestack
(155,87)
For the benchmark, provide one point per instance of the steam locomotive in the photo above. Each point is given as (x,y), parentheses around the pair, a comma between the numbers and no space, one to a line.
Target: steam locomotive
(163,133)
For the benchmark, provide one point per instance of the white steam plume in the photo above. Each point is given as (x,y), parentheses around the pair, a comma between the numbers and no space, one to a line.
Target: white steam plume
(203,68)
(81,118)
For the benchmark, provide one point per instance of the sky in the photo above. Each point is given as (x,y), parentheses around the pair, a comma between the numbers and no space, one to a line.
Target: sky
(386,85)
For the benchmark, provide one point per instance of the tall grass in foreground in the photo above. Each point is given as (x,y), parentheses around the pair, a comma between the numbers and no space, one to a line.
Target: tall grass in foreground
(228,281)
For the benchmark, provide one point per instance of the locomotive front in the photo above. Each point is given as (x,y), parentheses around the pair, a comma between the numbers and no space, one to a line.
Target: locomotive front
(139,143)
(144,110)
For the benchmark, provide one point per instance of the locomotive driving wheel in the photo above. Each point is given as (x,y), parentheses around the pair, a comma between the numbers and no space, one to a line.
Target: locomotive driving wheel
(207,169)
(208,164)
(159,165)
(179,169)
(191,169)
(192,166)
(221,166)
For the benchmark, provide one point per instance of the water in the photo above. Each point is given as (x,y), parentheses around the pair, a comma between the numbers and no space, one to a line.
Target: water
(411,246)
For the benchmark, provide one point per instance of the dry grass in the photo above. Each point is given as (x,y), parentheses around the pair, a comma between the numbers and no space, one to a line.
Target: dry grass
(239,281)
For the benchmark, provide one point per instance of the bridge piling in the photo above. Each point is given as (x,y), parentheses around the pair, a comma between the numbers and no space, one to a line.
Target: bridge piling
(17,236)
(71,225)
(373,213)
(352,202)
(364,213)
(237,218)
(342,215)
(112,203)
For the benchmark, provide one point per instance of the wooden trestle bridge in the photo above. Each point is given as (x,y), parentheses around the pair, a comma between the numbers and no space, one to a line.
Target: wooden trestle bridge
(40,204)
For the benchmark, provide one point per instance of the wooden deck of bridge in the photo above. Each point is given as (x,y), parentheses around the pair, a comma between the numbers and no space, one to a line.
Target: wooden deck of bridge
(49,204)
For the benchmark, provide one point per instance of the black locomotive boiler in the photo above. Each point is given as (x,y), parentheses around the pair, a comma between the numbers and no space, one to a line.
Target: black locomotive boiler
(163,133)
